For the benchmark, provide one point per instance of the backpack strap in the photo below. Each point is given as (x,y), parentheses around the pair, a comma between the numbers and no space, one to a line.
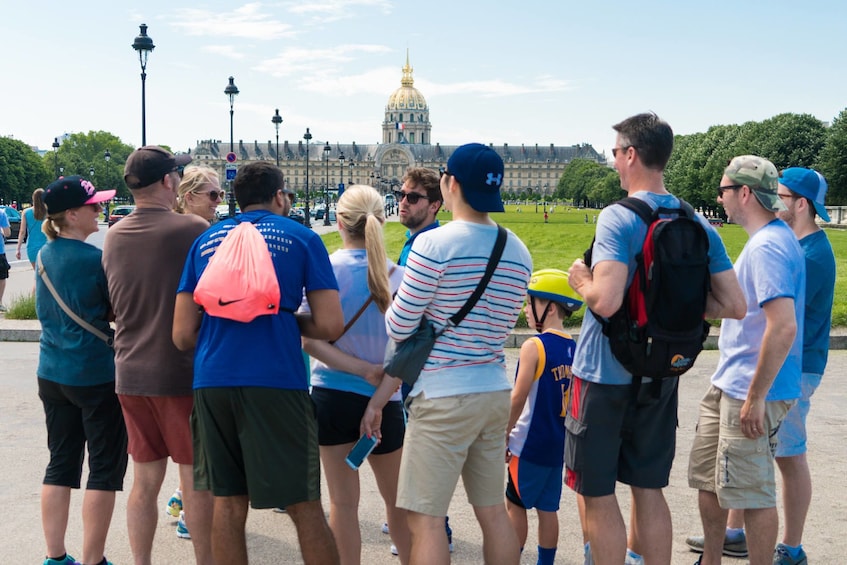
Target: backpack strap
(640,207)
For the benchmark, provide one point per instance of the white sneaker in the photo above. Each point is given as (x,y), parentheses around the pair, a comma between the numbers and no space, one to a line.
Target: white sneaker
(394,550)
(385,527)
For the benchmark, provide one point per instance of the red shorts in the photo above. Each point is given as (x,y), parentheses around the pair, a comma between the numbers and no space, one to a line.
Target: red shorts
(158,426)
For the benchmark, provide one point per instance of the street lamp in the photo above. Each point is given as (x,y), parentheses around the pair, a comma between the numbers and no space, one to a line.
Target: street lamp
(231,91)
(144,45)
(327,149)
(340,174)
(308,137)
(351,165)
(276,120)
(56,155)
(108,157)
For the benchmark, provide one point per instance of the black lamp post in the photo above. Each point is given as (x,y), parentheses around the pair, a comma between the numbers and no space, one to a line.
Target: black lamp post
(276,120)
(340,173)
(308,137)
(91,174)
(56,155)
(144,45)
(351,165)
(108,157)
(231,91)
(327,150)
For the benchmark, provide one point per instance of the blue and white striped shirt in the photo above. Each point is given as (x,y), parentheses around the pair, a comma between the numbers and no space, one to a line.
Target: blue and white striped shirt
(442,271)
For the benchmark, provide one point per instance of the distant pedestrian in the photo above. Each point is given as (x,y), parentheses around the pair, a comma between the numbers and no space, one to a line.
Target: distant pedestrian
(5,231)
(76,374)
(31,233)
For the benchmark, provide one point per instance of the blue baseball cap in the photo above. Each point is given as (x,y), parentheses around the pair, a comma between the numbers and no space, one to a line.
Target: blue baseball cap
(808,184)
(479,169)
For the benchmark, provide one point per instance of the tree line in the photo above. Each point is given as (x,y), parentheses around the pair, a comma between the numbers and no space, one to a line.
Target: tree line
(698,160)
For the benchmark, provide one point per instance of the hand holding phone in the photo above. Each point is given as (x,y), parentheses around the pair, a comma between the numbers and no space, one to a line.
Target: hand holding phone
(361,450)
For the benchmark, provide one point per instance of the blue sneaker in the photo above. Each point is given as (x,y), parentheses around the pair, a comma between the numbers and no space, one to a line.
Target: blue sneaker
(449,531)
(781,556)
(68,560)
(181,528)
(174,506)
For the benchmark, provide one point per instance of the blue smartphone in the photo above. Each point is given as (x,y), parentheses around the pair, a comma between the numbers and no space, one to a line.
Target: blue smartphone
(360,451)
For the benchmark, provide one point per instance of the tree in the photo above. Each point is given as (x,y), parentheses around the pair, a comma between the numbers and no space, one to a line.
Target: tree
(21,171)
(80,152)
(578,180)
(832,161)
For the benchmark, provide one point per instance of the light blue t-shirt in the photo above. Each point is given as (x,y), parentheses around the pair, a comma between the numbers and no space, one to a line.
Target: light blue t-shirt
(4,223)
(366,339)
(820,286)
(770,266)
(619,237)
(68,353)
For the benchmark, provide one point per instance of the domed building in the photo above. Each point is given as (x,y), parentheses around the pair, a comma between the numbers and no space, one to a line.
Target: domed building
(406,142)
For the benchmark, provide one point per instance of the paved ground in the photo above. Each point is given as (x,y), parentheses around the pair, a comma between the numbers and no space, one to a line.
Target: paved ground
(271,536)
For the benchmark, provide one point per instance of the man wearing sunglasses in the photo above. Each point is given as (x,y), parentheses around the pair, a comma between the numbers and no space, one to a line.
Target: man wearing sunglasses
(419,201)
(758,376)
(143,256)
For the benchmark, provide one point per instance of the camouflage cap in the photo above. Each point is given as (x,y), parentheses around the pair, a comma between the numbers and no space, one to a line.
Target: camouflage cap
(760,175)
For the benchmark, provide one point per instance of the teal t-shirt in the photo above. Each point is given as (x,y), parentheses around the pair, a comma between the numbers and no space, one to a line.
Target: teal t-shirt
(69,354)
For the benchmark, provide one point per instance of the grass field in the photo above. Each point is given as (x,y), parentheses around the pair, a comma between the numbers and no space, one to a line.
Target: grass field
(566,236)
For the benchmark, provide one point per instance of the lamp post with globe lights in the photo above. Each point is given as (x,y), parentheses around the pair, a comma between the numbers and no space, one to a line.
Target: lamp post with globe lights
(276,120)
(231,91)
(341,174)
(144,45)
(56,155)
(327,150)
(308,137)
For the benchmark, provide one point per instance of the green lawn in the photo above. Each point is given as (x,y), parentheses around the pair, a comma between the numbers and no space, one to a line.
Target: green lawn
(566,236)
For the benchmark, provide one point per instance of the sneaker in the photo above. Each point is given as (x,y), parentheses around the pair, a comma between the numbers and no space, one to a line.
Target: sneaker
(449,531)
(68,560)
(280,510)
(174,506)
(394,550)
(385,527)
(781,556)
(181,528)
(737,548)
(633,558)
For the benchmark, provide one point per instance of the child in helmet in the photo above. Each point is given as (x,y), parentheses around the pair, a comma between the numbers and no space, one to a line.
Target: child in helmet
(536,431)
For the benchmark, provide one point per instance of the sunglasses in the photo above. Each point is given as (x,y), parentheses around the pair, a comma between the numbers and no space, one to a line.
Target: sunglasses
(442,172)
(722,189)
(411,197)
(616,149)
(214,195)
(180,170)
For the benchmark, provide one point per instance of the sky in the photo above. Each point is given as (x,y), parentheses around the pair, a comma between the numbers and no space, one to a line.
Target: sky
(552,71)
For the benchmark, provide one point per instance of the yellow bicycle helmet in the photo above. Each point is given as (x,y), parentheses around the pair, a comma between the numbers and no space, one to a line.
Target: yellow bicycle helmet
(552,284)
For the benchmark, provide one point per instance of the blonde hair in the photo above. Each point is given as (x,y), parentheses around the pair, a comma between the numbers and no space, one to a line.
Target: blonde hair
(193,179)
(53,224)
(361,214)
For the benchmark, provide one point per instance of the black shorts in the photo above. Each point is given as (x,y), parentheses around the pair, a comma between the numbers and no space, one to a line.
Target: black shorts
(340,413)
(258,442)
(76,415)
(4,266)
(606,442)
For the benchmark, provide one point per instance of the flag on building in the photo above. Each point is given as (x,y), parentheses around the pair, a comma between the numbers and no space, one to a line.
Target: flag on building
(399,125)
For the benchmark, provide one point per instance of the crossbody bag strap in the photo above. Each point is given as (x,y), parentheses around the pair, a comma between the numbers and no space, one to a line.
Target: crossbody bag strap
(71,314)
(499,245)
(361,311)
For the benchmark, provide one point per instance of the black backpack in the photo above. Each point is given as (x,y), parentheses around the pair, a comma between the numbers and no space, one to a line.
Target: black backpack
(660,328)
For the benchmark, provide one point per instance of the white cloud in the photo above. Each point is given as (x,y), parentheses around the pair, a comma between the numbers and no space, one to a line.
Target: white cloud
(315,64)
(326,11)
(227,51)
(247,21)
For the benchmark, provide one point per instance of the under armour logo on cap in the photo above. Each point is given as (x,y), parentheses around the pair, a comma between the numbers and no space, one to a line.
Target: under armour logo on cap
(494,180)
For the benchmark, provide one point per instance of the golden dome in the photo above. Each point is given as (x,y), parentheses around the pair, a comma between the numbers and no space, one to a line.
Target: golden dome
(407,97)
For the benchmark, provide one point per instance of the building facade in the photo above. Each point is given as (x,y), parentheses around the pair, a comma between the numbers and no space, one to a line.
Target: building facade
(406,142)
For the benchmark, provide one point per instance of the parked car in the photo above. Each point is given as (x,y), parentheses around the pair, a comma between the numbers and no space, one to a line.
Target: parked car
(222,211)
(14,221)
(297,215)
(319,215)
(119,213)
(717,222)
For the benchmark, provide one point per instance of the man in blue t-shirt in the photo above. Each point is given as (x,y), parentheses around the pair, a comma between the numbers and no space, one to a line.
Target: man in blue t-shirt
(5,231)
(757,378)
(249,378)
(596,455)
(419,201)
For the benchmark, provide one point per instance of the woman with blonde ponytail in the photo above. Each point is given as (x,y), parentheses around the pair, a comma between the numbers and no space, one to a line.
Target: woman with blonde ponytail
(345,374)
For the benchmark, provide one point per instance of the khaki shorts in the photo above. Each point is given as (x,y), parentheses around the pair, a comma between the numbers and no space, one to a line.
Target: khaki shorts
(724,461)
(452,436)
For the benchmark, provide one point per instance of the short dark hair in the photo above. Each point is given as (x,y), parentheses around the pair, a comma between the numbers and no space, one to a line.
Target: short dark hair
(651,136)
(428,179)
(257,183)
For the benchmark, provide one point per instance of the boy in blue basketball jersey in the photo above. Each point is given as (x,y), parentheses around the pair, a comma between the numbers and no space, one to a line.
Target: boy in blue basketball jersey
(536,431)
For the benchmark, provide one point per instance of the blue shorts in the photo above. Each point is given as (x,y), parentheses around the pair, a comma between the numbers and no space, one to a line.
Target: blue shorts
(534,486)
(792,432)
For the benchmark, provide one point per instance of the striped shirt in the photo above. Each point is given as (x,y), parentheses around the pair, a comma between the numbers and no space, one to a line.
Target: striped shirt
(442,271)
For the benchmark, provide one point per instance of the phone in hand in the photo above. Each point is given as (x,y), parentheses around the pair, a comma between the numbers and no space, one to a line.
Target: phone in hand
(360,451)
